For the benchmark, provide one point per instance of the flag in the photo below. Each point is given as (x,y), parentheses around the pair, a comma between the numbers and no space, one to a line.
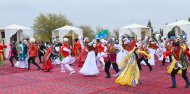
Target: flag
(102,34)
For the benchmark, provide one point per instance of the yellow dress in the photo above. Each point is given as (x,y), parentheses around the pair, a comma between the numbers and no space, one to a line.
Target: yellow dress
(130,75)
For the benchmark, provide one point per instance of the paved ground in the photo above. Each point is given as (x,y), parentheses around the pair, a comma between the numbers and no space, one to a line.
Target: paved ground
(21,81)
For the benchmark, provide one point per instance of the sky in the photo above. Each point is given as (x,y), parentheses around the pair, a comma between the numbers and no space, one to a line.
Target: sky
(110,14)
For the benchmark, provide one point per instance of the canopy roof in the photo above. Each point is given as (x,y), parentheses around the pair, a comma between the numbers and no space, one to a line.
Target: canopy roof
(14,26)
(134,26)
(68,28)
(181,22)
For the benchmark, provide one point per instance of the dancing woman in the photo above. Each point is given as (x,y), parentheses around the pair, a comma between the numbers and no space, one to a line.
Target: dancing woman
(47,66)
(90,67)
(130,75)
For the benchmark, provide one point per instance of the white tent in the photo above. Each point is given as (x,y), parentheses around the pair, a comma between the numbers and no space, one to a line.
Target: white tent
(63,31)
(20,32)
(182,25)
(135,30)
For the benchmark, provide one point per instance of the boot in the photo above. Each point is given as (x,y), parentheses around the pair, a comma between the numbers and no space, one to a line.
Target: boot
(28,66)
(150,67)
(108,76)
(187,82)
(163,61)
(173,83)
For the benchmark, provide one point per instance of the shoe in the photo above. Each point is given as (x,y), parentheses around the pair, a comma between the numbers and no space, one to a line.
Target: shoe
(108,77)
(116,75)
(151,69)
(72,72)
(173,86)
(140,82)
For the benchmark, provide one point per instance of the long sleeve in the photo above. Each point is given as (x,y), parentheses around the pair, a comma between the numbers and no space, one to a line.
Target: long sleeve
(67,50)
(117,46)
(105,48)
(91,43)
(143,52)
(186,52)
(167,53)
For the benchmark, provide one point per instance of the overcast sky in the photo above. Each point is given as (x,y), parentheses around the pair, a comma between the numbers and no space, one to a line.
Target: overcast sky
(106,13)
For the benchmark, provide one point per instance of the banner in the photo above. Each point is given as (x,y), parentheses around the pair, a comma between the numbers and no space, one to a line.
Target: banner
(102,34)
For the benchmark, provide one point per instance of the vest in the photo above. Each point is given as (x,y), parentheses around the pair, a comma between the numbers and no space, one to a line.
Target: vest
(111,49)
(100,48)
(64,53)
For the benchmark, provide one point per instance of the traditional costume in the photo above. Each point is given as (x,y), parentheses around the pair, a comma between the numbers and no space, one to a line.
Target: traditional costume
(180,54)
(130,75)
(47,66)
(111,58)
(33,52)
(90,67)
(76,48)
(13,53)
(101,49)
(167,53)
(55,57)
(41,51)
(83,54)
(124,51)
(67,59)
(2,55)
(143,57)
(22,59)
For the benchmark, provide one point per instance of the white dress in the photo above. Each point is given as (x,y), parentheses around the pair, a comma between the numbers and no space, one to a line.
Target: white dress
(120,56)
(90,67)
(22,64)
(151,61)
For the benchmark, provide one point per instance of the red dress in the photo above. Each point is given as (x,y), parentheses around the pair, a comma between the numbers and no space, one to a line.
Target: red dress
(82,57)
(76,49)
(47,66)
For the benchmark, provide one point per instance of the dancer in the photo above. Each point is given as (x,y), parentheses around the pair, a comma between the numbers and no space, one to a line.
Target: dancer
(13,53)
(83,54)
(143,57)
(168,47)
(101,49)
(130,75)
(47,66)
(2,55)
(41,50)
(111,58)
(90,67)
(124,51)
(67,59)
(22,61)
(55,57)
(33,52)
(152,49)
(180,54)
(76,48)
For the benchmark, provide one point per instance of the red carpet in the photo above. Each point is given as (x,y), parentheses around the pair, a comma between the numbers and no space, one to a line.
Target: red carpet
(22,81)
